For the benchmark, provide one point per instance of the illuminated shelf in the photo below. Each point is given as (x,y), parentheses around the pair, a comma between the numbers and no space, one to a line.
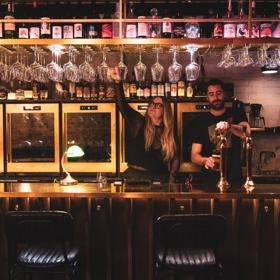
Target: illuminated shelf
(203,42)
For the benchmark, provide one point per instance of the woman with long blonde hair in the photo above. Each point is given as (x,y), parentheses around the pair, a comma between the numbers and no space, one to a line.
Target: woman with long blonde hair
(152,148)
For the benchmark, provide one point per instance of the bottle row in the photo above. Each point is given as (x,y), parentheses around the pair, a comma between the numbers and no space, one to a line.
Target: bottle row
(104,91)
(164,29)
(139,30)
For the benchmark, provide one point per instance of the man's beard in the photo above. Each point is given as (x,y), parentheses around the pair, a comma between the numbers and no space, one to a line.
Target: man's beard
(217,105)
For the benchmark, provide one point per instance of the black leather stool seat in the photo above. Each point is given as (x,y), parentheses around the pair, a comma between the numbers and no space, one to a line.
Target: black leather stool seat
(189,259)
(41,256)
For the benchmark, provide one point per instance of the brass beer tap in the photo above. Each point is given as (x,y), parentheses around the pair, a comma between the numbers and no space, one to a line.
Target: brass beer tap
(249,185)
(223,184)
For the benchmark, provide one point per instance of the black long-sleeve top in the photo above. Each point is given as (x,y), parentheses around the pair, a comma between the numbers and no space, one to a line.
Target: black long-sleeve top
(152,160)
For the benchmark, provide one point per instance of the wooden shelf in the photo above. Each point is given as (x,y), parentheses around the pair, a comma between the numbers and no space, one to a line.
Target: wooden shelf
(257,129)
(201,42)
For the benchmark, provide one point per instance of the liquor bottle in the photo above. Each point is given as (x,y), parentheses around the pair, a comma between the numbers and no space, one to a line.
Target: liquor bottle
(23,31)
(154,89)
(218,26)
(179,28)
(181,87)
(68,29)
(167,89)
(106,27)
(10,27)
(72,90)
(140,91)
(241,28)
(173,89)
(79,91)
(155,28)
(166,26)
(93,91)
(276,32)
(45,28)
(86,93)
(229,28)
(78,30)
(101,90)
(255,26)
(34,28)
(132,87)
(160,89)
(126,89)
(189,91)
(147,90)
(131,27)
(56,29)
(143,28)
(116,26)
(92,29)
(265,27)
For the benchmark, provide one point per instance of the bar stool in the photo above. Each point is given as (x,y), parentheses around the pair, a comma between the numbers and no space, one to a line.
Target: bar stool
(186,245)
(40,242)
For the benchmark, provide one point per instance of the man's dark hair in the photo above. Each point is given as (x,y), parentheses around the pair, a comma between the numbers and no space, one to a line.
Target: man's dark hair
(215,82)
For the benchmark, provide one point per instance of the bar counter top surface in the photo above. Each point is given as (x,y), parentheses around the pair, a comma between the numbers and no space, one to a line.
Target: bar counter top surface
(32,189)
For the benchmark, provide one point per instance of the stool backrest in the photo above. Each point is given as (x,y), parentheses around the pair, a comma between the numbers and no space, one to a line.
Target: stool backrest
(190,231)
(39,226)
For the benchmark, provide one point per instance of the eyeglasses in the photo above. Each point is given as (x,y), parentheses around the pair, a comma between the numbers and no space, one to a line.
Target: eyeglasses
(217,93)
(156,105)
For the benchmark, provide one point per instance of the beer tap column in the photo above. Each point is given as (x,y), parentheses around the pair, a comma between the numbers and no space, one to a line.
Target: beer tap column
(223,184)
(249,185)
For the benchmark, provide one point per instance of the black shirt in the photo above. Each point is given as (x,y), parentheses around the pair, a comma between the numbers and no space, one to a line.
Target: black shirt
(203,133)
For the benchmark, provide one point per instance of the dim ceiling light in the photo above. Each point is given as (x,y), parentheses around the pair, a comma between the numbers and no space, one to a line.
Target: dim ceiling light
(73,151)
(269,69)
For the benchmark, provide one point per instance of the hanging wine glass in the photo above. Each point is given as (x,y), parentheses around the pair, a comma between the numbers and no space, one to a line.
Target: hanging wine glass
(192,69)
(86,71)
(157,69)
(103,68)
(71,70)
(175,69)
(140,68)
(122,68)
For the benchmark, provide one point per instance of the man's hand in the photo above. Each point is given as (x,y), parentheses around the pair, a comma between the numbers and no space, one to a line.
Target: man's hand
(209,163)
(222,127)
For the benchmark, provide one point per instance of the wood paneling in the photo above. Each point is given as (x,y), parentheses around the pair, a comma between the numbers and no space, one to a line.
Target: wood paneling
(116,233)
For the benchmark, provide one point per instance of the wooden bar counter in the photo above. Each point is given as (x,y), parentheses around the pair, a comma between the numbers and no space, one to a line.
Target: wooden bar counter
(114,225)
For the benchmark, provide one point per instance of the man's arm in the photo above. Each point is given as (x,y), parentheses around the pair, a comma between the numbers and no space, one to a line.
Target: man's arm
(197,158)
(240,132)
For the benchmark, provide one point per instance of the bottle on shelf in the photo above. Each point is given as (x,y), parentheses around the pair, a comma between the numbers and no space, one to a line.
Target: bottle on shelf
(57,29)
(155,28)
(167,89)
(266,26)
(23,31)
(154,89)
(140,91)
(229,28)
(45,28)
(92,29)
(131,27)
(276,32)
(34,28)
(126,86)
(189,90)
(106,27)
(218,26)
(79,91)
(167,27)
(132,87)
(93,91)
(174,89)
(181,87)
(179,27)
(10,27)
(160,89)
(241,28)
(78,30)
(143,28)
(147,90)
(255,32)
(116,25)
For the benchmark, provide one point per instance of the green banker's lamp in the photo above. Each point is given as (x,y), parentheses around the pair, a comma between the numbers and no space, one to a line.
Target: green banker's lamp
(73,151)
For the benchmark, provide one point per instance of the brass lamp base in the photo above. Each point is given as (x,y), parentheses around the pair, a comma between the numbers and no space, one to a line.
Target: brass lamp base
(68,181)
(249,185)
(223,185)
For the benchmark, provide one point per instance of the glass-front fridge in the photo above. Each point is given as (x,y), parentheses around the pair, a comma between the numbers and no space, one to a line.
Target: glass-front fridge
(32,138)
(91,126)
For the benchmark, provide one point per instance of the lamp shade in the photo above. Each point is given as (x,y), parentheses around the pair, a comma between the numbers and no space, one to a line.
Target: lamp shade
(74,151)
